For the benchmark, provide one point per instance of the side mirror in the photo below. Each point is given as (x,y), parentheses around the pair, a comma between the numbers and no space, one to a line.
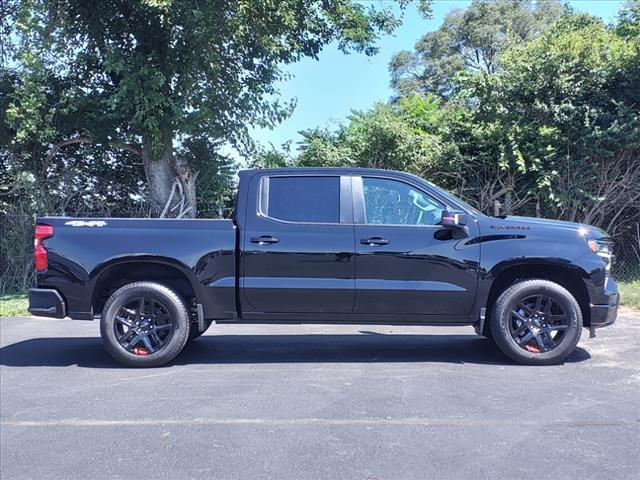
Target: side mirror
(455,222)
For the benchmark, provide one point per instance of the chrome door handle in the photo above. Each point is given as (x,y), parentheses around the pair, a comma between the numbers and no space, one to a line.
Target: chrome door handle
(374,241)
(265,240)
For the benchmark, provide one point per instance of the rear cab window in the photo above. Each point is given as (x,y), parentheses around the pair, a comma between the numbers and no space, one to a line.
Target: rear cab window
(301,199)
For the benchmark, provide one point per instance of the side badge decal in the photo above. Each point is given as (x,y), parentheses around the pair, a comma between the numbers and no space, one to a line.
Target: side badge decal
(85,223)
(510,227)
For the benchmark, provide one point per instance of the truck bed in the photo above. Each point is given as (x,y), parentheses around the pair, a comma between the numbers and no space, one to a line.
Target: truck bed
(84,253)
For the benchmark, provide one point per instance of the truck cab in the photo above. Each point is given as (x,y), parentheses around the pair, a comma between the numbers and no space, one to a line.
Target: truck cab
(320,244)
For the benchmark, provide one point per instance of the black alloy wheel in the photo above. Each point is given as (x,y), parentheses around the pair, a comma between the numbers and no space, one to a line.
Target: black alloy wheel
(538,323)
(143,326)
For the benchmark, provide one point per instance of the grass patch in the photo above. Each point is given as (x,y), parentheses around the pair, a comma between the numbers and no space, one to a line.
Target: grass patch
(630,294)
(14,306)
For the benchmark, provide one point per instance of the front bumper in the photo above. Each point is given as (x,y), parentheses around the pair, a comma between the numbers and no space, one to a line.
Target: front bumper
(46,302)
(604,314)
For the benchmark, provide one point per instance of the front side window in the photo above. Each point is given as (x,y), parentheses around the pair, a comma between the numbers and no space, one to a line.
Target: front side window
(391,202)
(304,199)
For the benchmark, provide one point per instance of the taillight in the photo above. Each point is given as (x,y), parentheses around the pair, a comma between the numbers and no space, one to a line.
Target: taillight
(40,253)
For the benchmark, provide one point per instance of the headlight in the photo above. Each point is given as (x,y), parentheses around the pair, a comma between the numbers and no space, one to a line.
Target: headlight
(600,247)
(603,249)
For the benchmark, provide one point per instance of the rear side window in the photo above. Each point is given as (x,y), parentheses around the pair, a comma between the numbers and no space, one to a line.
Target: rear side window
(303,199)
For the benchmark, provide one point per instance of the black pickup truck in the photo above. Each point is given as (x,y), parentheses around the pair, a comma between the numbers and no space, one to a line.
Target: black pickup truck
(328,246)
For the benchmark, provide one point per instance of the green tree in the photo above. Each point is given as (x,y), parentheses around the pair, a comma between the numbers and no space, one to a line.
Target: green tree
(151,77)
(84,178)
(469,40)
(402,136)
(566,107)
(629,20)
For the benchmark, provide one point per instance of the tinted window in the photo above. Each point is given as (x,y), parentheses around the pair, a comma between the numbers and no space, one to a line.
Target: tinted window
(304,199)
(390,202)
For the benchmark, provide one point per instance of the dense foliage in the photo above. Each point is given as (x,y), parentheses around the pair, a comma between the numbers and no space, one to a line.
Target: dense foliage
(144,81)
(470,40)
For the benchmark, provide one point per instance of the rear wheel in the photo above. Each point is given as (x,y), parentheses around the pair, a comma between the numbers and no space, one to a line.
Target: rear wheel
(144,324)
(536,322)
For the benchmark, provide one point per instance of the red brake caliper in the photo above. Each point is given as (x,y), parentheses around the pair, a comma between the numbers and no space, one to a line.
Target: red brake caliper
(532,349)
(140,351)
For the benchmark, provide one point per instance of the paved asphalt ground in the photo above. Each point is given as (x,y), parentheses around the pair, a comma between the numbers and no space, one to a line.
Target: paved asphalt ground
(317,402)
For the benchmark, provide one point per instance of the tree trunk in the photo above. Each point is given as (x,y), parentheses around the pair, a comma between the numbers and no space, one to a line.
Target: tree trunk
(172,184)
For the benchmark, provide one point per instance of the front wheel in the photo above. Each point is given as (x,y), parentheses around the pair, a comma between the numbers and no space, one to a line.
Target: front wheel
(144,324)
(536,322)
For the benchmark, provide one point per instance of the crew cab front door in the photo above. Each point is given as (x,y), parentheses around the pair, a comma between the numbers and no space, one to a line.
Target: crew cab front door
(297,246)
(406,263)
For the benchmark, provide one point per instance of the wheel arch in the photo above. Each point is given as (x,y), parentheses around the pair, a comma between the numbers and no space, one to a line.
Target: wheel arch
(568,276)
(117,273)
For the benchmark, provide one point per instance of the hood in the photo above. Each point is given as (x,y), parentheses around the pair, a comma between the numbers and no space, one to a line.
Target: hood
(514,224)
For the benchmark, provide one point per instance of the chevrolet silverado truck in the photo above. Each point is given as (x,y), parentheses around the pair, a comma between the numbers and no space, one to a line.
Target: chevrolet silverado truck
(321,245)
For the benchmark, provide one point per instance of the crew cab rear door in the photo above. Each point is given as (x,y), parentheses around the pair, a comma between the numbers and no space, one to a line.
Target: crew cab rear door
(406,263)
(298,246)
